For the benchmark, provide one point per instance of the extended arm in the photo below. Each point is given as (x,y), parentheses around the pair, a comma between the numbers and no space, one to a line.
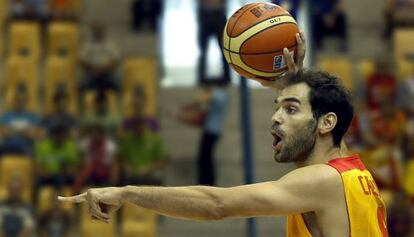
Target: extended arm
(299,191)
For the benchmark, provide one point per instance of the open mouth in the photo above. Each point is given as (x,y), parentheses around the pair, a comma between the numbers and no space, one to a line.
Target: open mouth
(277,140)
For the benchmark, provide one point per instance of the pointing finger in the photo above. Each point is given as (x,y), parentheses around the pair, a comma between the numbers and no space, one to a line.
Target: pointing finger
(74,199)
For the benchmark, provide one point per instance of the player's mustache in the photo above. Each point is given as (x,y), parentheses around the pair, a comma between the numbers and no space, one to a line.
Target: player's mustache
(276,129)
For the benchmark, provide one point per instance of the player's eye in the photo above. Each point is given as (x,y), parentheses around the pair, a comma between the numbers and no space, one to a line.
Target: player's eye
(291,110)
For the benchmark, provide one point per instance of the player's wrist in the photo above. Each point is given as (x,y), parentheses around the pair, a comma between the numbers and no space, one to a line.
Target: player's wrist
(126,193)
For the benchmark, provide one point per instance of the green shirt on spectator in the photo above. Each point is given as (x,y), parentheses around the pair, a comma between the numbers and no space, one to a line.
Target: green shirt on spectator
(139,151)
(55,159)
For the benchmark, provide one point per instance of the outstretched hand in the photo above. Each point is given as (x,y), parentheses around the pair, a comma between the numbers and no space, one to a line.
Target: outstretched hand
(101,202)
(293,66)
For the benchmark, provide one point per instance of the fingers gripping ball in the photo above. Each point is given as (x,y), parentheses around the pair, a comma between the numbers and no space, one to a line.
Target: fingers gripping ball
(254,38)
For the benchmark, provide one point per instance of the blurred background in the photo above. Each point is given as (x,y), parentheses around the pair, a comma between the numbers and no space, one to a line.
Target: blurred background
(115,92)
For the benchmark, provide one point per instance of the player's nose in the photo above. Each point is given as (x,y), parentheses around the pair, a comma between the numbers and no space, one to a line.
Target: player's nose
(277,118)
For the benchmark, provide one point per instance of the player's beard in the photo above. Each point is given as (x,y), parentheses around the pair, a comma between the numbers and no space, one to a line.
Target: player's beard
(298,146)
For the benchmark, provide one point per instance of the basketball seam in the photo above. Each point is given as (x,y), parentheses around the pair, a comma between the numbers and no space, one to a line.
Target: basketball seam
(230,51)
(270,17)
(279,70)
(235,23)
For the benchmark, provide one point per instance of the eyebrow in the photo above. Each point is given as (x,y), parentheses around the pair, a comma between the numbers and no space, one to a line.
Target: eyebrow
(288,99)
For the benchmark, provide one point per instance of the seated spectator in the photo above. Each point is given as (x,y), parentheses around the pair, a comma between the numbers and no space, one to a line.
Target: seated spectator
(102,114)
(146,11)
(99,162)
(381,84)
(99,59)
(16,217)
(63,10)
(138,104)
(328,19)
(56,221)
(400,218)
(60,115)
(141,155)
(405,94)
(19,127)
(385,158)
(28,9)
(56,158)
(398,13)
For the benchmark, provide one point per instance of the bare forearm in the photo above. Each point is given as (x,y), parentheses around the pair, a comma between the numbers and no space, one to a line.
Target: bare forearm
(193,202)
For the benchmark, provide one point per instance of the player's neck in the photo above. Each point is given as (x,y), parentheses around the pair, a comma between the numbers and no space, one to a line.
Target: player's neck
(323,152)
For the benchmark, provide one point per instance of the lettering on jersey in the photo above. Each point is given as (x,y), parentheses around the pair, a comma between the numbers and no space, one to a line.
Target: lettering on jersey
(368,185)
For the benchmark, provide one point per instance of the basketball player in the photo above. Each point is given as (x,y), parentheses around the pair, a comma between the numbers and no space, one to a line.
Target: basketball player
(329,194)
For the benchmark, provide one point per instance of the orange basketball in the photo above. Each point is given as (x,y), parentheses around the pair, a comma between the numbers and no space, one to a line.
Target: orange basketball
(254,38)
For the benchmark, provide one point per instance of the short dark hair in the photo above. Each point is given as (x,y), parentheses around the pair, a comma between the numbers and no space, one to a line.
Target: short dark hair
(327,94)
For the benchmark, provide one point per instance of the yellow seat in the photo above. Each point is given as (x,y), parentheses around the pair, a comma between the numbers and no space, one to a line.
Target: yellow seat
(140,72)
(60,73)
(89,102)
(366,68)
(45,196)
(93,228)
(24,40)
(21,71)
(138,222)
(22,167)
(339,66)
(63,40)
(403,46)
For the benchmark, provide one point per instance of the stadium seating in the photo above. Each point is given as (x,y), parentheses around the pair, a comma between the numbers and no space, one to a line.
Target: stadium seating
(24,40)
(89,103)
(16,166)
(366,67)
(140,72)
(21,71)
(44,197)
(404,51)
(338,66)
(60,74)
(63,40)
(138,222)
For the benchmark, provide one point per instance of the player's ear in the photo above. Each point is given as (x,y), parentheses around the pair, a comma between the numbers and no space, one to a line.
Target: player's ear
(327,122)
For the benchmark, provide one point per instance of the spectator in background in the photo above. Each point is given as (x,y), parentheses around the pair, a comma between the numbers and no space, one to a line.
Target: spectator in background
(99,155)
(56,158)
(291,5)
(56,221)
(28,10)
(102,115)
(398,13)
(381,85)
(385,158)
(215,100)
(19,127)
(60,115)
(18,9)
(16,217)
(63,9)
(141,155)
(400,218)
(138,103)
(146,11)
(328,19)
(211,20)
(99,59)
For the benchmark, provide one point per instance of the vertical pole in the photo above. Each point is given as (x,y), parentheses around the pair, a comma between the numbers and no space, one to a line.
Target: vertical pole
(247,145)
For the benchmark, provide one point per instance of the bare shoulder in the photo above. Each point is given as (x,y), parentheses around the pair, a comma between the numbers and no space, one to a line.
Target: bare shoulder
(314,179)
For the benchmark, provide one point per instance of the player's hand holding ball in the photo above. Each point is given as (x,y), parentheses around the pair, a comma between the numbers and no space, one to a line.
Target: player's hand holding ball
(261,41)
